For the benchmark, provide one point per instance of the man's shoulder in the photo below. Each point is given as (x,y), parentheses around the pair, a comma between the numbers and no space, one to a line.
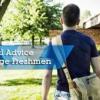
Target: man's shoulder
(82,34)
(85,37)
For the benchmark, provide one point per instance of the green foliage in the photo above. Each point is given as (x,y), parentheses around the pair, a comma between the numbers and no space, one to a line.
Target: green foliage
(31,17)
(23,85)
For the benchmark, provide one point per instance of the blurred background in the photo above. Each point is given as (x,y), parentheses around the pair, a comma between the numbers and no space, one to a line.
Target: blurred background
(33,22)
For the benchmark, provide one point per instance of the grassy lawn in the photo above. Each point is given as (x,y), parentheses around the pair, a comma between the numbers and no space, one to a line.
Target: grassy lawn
(23,85)
(98,47)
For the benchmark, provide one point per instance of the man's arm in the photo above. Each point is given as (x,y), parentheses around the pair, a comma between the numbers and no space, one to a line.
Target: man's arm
(95,61)
(46,84)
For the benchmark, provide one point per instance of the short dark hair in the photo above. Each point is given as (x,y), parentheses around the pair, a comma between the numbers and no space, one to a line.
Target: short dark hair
(71,14)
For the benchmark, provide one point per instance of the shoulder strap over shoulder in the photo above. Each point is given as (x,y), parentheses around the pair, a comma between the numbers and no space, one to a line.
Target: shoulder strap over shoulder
(58,42)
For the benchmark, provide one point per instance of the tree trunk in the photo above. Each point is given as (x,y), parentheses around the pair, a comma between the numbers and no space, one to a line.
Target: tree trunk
(3,7)
(40,40)
(33,39)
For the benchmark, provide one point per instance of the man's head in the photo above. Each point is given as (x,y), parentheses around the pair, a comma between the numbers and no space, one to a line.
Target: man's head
(71,15)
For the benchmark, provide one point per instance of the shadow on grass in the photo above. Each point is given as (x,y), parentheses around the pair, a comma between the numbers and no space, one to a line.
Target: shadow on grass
(28,81)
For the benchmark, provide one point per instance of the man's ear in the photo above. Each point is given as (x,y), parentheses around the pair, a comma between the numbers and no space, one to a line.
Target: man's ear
(61,20)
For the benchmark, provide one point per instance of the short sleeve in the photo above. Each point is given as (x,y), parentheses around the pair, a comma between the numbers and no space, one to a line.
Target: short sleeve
(48,54)
(94,52)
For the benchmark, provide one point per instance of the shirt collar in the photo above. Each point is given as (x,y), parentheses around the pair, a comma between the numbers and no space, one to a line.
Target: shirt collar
(68,28)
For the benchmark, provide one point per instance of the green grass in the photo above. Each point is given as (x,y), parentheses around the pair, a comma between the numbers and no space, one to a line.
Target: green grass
(98,47)
(23,85)
(23,92)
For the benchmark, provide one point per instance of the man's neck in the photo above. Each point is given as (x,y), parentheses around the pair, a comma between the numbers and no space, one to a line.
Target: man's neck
(68,28)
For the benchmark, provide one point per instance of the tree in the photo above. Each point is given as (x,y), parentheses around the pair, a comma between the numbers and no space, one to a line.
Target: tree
(3,7)
(32,17)
(51,22)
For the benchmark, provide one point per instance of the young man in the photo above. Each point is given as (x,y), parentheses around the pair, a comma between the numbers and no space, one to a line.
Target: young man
(83,53)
